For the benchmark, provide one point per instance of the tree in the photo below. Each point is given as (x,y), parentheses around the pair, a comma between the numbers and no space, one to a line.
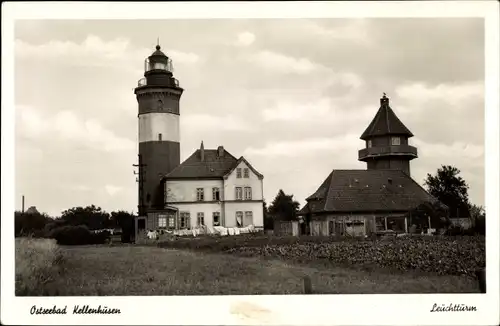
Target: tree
(91,216)
(30,222)
(268,220)
(449,188)
(478,217)
(125,221)
(284,207)
(437,213)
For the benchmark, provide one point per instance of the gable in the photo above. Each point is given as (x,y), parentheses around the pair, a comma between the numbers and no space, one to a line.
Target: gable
(243,164)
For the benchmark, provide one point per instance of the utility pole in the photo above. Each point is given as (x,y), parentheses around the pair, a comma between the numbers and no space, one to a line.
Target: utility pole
(140,181)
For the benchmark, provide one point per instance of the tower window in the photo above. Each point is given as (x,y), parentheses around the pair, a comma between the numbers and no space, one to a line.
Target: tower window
(160,105)
(159,137)
(369,144)
(395,141)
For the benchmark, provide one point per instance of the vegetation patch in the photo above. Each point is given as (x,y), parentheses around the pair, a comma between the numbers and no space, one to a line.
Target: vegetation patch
(39,263)
(461,255)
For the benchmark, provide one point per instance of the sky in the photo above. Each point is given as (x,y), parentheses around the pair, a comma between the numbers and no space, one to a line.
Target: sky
(292,96)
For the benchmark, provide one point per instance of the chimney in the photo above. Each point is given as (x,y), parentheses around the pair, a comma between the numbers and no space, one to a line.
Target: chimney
(23,205)
(220,151)
(202,151)
(384,100)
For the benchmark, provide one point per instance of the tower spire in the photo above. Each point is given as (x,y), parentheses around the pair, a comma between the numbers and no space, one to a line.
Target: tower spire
(158,43)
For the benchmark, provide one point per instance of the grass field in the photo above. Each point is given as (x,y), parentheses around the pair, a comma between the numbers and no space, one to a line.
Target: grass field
(135,270)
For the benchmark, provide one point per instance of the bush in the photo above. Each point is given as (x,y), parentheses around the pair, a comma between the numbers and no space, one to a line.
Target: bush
(28,223)
(38,264)
(459,231)
(434,254)
(78,235)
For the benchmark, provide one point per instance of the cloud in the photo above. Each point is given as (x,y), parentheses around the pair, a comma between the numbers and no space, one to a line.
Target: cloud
(282,63)
(95,52)
(112,190)
(66,124)
(212,122)
(451,93)
(79,188)
(303,147)
(321,111)
(245,39)
(472,152)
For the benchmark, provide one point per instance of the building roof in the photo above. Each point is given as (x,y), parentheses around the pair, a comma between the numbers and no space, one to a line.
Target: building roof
(367,191)
(158,52)
(385,122)
(213,165)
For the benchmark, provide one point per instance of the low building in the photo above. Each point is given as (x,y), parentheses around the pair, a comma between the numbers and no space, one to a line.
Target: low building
(212,188)
(361,202)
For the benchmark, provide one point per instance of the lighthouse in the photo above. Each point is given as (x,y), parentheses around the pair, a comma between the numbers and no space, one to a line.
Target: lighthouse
(158,95)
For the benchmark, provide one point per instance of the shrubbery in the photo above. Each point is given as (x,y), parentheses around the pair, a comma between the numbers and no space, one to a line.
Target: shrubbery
(78,235)
(441,255)
(38,263)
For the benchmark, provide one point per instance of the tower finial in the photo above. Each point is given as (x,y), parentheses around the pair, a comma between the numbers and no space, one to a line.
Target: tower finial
(158,43)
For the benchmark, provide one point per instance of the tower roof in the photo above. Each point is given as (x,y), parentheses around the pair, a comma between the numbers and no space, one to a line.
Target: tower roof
(385,122)
(158,52)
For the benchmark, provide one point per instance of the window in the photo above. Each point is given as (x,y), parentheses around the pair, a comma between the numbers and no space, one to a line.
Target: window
(248,193)
(201,218)
(215,194)
(171,222)
(248,219)
(369,144)
(239,195)
(162,221)
(200,194)
(160,105)
(239,219)
(184,222)
(216,218)
(246,173)
(159,137)
(238,173)
(395,141)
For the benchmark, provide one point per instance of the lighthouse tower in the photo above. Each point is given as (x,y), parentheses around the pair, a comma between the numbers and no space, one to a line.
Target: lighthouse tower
(158,95)
(386,140)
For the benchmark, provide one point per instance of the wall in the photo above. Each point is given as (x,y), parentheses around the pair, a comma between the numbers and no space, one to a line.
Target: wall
(386,141)
(255,207)
(152,124)
(232,182)
(185,190)
(207,208)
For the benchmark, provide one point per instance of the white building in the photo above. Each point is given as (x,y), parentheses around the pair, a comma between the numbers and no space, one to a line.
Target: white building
(210,188)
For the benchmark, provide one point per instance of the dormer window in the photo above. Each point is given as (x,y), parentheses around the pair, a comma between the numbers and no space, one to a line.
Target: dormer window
(395,141)
(369,144)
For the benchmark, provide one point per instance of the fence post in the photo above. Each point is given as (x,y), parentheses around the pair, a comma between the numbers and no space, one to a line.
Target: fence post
(307,285)
(481,277)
